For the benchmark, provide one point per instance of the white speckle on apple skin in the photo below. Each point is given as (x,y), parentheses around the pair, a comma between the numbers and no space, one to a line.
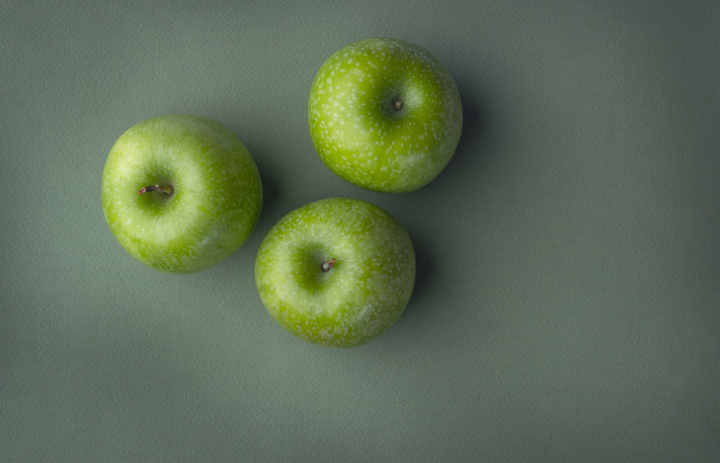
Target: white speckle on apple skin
(358,299)
(350,115)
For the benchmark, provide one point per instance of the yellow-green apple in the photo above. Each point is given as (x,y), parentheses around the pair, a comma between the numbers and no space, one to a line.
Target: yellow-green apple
(336,272)
(385,115)
(180,192)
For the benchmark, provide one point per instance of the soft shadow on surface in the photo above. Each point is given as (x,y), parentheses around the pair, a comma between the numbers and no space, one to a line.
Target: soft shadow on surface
(270,186)
(472,116)
(459,180)
(423,269)
(474,131)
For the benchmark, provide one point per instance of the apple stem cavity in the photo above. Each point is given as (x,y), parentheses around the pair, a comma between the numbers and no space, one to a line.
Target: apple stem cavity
(328,265)
(165,189)
(398,104)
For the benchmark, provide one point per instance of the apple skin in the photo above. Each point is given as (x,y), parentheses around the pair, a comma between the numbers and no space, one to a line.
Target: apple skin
(215,203)
(359,133)
(355,301)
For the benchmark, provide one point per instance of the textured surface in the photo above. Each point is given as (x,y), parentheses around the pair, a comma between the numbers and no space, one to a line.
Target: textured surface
(347,304)
(566,305)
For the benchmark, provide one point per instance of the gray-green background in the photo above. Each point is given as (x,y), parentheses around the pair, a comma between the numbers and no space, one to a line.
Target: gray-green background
(567,306)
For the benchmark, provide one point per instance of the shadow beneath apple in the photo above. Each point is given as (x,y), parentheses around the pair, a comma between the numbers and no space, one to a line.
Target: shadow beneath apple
(473,148)
(472,117)
(474,127)
(423,269)
(270,186)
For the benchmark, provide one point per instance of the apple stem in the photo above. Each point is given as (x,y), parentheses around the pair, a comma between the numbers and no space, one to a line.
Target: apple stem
(328,265)
(398,104)
(165,189)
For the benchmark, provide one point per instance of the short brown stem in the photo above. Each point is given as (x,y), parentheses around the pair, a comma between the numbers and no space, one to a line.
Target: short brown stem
(165,189)
(398,104)
(328,265)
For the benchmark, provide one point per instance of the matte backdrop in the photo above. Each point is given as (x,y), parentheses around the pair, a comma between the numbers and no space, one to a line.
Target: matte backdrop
(567,303)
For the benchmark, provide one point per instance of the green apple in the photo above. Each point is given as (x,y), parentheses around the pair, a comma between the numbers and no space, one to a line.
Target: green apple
(180,192)
(385,115)
(336,272)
